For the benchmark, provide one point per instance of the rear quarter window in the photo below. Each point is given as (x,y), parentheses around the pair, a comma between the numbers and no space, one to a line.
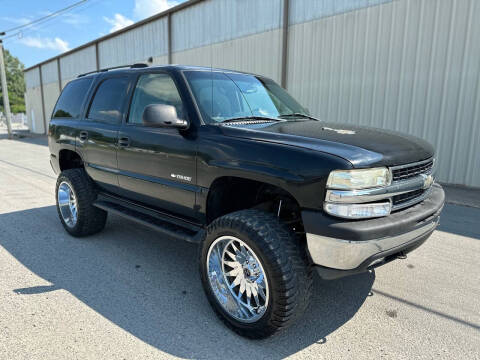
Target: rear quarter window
(69,104)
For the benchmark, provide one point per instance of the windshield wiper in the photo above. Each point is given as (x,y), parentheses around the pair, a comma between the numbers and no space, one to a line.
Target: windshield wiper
(249,118)
(297,115)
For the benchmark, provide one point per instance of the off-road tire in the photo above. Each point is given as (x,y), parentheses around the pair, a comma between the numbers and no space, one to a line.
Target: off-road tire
(285,263)
(90,219)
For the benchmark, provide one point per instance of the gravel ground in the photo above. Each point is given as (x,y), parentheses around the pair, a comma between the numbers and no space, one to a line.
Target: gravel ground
(128,293)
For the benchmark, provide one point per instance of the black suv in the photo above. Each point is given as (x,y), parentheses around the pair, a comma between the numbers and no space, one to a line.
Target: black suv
(232,162)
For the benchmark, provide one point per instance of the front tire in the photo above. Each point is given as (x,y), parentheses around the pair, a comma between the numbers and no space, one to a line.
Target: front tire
(255,273)
(75,194)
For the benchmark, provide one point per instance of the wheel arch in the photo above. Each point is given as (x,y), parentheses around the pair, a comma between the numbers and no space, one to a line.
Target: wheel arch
(69,159)
(232,193)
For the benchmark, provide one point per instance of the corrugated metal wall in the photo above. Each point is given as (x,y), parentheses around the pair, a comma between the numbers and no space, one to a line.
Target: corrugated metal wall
(136,45)
(212,22)
(33,101)
(243,35)
(259,53)
(79,62)
(408,65)
(51,89)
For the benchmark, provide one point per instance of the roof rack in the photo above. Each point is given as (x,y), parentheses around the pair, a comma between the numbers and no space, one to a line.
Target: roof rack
(133,66)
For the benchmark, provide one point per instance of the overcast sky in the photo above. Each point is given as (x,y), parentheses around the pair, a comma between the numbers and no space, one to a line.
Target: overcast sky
(88,21)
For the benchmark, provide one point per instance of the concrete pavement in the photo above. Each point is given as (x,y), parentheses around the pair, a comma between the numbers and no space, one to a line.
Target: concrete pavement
(129,293)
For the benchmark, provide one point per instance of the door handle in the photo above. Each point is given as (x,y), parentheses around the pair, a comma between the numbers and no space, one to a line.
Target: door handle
(83,135)
(124,141)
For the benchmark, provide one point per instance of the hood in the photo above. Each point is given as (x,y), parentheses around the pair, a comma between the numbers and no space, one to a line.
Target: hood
(362,146)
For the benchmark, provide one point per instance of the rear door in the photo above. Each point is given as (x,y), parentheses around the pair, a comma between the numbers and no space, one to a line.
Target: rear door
(157,165)
(99,136)
(66,122)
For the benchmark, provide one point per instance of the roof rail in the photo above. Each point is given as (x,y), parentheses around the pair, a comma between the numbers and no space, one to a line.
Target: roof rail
(133,66)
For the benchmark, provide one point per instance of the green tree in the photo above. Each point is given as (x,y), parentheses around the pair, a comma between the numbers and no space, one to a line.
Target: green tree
(15,82)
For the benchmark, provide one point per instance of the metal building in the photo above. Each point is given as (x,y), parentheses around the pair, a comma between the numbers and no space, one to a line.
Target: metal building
(408,65)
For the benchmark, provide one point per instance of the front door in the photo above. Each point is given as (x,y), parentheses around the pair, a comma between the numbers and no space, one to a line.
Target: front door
(156,166)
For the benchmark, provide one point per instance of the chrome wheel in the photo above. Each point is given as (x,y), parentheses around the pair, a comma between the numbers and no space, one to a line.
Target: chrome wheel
(67,203)
(237,279)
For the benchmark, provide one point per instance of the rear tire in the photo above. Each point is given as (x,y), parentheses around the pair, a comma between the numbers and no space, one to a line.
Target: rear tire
(275,250)
(75,194)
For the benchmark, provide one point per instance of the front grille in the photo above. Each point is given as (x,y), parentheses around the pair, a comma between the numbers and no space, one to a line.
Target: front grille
(408,172)
(403,198)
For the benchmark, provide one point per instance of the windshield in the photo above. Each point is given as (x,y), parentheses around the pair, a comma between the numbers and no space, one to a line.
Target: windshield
(223,96)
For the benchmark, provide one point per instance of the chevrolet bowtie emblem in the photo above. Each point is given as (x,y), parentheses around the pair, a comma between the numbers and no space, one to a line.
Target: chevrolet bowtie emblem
(427,181)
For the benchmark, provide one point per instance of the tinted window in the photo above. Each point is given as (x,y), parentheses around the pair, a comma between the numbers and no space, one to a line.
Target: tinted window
(69,105)
(154,89)
(109,101)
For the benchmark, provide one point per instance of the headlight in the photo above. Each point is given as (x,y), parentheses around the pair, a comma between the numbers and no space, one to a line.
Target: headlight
(358,211)
(359,178)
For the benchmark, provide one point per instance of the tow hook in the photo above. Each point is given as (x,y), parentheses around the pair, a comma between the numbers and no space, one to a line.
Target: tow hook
(401,256)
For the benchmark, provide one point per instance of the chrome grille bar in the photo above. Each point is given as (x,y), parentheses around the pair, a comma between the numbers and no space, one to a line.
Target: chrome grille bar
(407,171)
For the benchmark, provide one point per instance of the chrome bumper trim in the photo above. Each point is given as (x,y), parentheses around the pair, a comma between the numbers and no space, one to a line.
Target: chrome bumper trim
(347,255)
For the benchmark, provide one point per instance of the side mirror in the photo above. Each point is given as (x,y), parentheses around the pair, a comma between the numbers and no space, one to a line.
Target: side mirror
(162,115)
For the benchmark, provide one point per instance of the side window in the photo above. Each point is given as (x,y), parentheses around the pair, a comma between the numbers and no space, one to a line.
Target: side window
(69,104)
(109,101)
(154,89)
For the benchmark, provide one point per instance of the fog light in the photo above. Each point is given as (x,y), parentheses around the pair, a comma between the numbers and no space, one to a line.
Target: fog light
(358,211)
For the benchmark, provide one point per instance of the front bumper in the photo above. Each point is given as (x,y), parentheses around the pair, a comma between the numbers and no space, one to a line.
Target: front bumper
(344,247)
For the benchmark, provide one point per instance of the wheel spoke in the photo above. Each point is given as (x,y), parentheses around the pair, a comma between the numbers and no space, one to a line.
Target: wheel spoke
(249,293)
(237,281)
(257,301)
(235,248)
(259,281)
(243,283)
(234,272)
(244,310)
(254,288)
(63,197)
(232,256)
(262,293)
(219,256)
(63,202)
(243,250)
(232,264)
(73,210)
